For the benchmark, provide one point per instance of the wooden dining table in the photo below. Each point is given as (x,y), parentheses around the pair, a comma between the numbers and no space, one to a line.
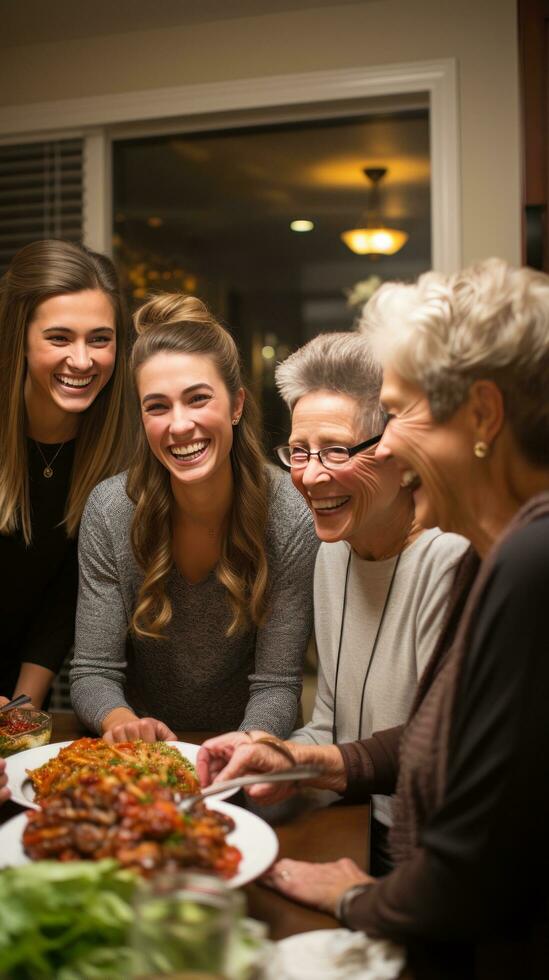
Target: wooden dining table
(316,835)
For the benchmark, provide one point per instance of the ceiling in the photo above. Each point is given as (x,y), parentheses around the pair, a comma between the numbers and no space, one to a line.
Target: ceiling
(40,21)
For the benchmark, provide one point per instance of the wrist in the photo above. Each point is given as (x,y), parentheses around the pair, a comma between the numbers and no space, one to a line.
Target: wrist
(118,716)
(345,901)
(334,774)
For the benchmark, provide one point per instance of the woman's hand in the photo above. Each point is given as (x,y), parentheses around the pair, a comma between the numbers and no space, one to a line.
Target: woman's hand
(250,756)
(122,725)
(247,757)
(4,791)
(214,754)
(318,885)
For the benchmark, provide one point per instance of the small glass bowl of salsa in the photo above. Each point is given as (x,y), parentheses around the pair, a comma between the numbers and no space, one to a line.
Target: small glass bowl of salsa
(23,728)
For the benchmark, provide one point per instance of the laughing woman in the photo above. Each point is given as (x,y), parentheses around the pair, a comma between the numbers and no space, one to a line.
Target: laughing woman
(381,582)
(202,552)
(466,376)
(62,430)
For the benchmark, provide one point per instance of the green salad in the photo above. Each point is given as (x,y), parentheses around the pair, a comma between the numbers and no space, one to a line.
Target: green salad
(73,922)
(68,921)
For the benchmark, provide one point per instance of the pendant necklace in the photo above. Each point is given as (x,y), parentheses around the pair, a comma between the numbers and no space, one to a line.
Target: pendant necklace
(48,468)
(374,646)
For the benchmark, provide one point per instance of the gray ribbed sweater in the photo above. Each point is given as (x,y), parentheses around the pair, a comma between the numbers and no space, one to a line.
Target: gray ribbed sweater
(196,678)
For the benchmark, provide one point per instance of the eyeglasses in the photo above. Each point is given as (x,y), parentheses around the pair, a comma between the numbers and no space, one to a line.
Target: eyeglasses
(297,458)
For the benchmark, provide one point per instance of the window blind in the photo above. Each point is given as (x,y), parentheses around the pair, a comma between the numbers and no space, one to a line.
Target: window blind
(41,197)
(40,194)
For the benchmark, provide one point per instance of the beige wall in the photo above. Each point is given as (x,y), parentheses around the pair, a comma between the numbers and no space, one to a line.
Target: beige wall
(480,34)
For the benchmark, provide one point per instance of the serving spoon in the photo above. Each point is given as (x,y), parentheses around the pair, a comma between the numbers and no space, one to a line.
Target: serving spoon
(16,703)
(288,775)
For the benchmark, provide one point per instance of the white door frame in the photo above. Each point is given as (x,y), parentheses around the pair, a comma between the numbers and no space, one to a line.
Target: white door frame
(98,119)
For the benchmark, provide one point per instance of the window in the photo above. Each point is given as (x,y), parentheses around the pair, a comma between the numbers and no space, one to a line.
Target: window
(40,194)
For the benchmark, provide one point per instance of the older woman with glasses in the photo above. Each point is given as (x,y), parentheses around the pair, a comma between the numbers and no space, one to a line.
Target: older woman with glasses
(381,581)
(466,377)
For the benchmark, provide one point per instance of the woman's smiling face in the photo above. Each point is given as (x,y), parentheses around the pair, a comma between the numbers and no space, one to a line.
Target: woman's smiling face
(435,460)
(70,351)
(348,500)
(187,412)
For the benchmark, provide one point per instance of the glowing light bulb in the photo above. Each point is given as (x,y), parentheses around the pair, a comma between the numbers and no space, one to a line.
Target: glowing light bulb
(302,224)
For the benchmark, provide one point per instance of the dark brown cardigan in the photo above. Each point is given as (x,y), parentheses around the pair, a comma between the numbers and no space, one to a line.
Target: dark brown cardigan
(399,906)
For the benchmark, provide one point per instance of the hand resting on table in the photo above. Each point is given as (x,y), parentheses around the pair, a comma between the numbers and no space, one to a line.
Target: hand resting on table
(122,725)
(317,885)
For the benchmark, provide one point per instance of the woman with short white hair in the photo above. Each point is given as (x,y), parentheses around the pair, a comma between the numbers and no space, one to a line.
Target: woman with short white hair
(381,582)
(466,382)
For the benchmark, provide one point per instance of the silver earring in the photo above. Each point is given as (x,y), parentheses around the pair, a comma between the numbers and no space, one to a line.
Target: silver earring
(481,449)
(236,420)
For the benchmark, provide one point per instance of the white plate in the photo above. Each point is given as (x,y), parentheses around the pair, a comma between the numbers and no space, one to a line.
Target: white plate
(334,954)
(256,841)
(20,785)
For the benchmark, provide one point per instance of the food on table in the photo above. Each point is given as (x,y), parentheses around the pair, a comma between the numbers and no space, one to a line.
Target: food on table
(138,823)
(66,921)
(74,922)
(92,758)
(23,728)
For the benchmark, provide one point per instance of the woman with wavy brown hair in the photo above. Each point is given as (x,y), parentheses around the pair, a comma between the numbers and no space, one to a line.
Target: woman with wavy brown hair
(202,553)
(63,416)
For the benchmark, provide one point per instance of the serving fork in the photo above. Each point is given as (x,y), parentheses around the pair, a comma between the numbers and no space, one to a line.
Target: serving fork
(286,776)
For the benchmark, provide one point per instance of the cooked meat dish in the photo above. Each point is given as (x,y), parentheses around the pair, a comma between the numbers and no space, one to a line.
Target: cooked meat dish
(137,823)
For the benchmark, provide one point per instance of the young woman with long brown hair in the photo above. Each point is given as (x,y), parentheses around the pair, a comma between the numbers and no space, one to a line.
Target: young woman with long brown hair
(202,554)
(62,430)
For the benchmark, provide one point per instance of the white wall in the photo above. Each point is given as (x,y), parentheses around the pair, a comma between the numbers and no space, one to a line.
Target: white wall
(480,34)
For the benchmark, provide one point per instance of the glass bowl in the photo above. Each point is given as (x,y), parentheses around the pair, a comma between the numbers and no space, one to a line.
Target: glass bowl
(23,728)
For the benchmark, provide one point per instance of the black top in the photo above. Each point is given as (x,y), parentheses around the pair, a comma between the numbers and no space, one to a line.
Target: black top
(39,588)
(490,838)
(477,885)
(498,756)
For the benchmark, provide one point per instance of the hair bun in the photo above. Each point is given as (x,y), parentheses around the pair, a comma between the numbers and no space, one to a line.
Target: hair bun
(167,309)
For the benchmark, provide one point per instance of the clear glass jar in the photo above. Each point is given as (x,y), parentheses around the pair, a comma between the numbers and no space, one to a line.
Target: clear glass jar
(183,925)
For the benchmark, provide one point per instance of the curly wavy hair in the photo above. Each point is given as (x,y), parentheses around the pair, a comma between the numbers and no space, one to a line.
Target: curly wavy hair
(180,324)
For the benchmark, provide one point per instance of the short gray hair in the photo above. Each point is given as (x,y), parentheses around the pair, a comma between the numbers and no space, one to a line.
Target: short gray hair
(338,362)
(490,321)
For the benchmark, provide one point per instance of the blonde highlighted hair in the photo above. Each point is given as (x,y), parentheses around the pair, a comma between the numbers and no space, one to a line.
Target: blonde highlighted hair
(39,271)
(490,321)
(179,324)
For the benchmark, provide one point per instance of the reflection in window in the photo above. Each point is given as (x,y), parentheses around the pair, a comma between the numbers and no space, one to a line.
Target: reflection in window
(210,214)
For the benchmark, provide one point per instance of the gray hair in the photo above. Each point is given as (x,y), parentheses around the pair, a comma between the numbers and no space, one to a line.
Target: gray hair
(490,321)
(339,362)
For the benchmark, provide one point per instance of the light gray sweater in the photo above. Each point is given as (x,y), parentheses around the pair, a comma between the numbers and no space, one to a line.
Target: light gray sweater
(196,678)
(410,628)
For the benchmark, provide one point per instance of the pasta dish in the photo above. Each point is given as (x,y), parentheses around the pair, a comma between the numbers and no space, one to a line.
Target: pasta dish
(88,759)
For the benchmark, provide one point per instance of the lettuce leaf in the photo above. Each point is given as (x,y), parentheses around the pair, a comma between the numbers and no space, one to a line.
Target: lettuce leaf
(68,921)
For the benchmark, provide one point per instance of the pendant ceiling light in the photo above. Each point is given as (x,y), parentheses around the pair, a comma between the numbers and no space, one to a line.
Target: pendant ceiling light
(375,238)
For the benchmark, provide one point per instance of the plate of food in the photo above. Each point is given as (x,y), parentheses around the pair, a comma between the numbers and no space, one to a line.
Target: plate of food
(39,772)
(145,833)
(78,919)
